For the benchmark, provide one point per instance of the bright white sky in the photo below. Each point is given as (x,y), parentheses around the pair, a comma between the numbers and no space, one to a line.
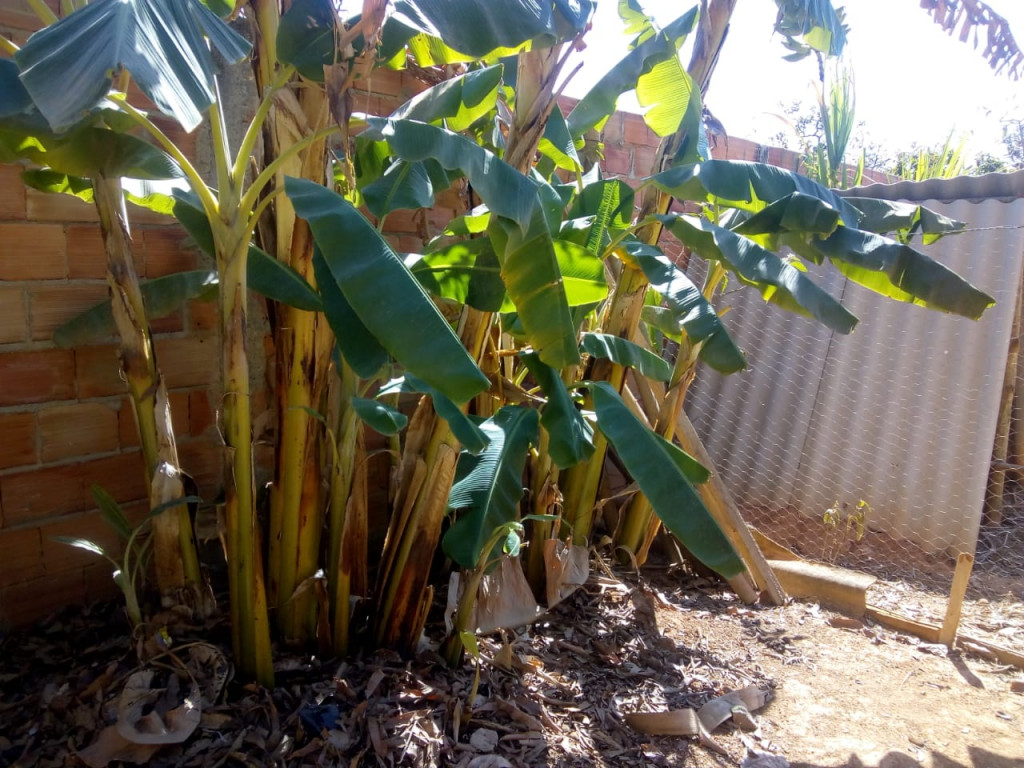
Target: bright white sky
(914,82)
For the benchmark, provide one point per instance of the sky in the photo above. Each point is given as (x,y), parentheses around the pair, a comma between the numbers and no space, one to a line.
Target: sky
(914,83)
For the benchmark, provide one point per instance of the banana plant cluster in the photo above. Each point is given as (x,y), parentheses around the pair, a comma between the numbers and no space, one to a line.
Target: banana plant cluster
(531,334)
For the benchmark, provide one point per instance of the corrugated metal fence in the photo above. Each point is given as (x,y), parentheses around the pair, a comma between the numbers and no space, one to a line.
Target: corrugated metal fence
(901,414)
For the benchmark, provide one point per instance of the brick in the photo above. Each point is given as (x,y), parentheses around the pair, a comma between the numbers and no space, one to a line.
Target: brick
(616,161)
(41,206)
(166,253)
(31,601)
(201,415)
(18,445)
(99,581)
(202,315)
(13,325)
(410,244)
(12,193)
(53,491)
(52,305)
(172,323)
(402,222)
(32,252)
(82,429)
(21,556)
(614,130)
(636,133)
(643,161)
(188,362)
(58,557)
(204,461)
(86,256)
(36,376)
(98,371)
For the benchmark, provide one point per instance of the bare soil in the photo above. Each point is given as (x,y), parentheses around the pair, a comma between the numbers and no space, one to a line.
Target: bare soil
(842,693)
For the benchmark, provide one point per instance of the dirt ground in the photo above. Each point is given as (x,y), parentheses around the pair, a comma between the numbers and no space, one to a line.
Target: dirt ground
(841,693)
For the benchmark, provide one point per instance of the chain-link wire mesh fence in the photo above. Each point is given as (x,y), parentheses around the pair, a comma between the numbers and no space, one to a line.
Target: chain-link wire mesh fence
(894,449)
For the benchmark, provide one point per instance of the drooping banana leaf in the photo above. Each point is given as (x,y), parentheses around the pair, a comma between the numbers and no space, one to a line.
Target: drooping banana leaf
(403,185)
(488,486)
(623,352)
(466,272)
(747,186)
(464,428)
(778,281)
(165,44)
(386,297)
(796,212)
(162,296)
(478,30)
(903,220)
(557,145)
(661,479)
(357,345)
(900,272)
(525,248)
(459,102)
(690,310)
(380,416)
(600,102)
(570,436)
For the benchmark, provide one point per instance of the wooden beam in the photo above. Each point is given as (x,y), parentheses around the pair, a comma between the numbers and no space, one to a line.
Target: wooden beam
(964,563)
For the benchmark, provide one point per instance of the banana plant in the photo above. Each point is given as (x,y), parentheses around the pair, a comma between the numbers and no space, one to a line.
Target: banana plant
(90,158)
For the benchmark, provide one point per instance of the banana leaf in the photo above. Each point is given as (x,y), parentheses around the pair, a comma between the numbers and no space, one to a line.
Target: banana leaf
(459,102)
(689,309)
(388,300)
(778,281)
(489,485)
(599,103)
(357,345)
(747,186)
(900,272)
(165,44)
(904,220)
(661,479)
(305,37)
(464,428)
(162,296)
(380,416)
(623,352)
(525,248)
(570,436)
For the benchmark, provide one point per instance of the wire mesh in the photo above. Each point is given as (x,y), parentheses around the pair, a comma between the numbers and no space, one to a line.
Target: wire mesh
(894,449)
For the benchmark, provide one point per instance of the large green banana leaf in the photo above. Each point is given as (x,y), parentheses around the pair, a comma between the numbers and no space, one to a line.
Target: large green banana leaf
(466,272)
(556,145)
(904,220)
(690,310)
(623,352)
(662,480)
(402,185)
(570,437)
(521,235)
(900,272)
(463,427)
(459,102)
(747,186)
(479,29)
(796,212)
(380,416)
(162,296)
(599,103)
(386,297)
(610,202)
(165,44)
(778,281)
(488,486)
(357,345)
